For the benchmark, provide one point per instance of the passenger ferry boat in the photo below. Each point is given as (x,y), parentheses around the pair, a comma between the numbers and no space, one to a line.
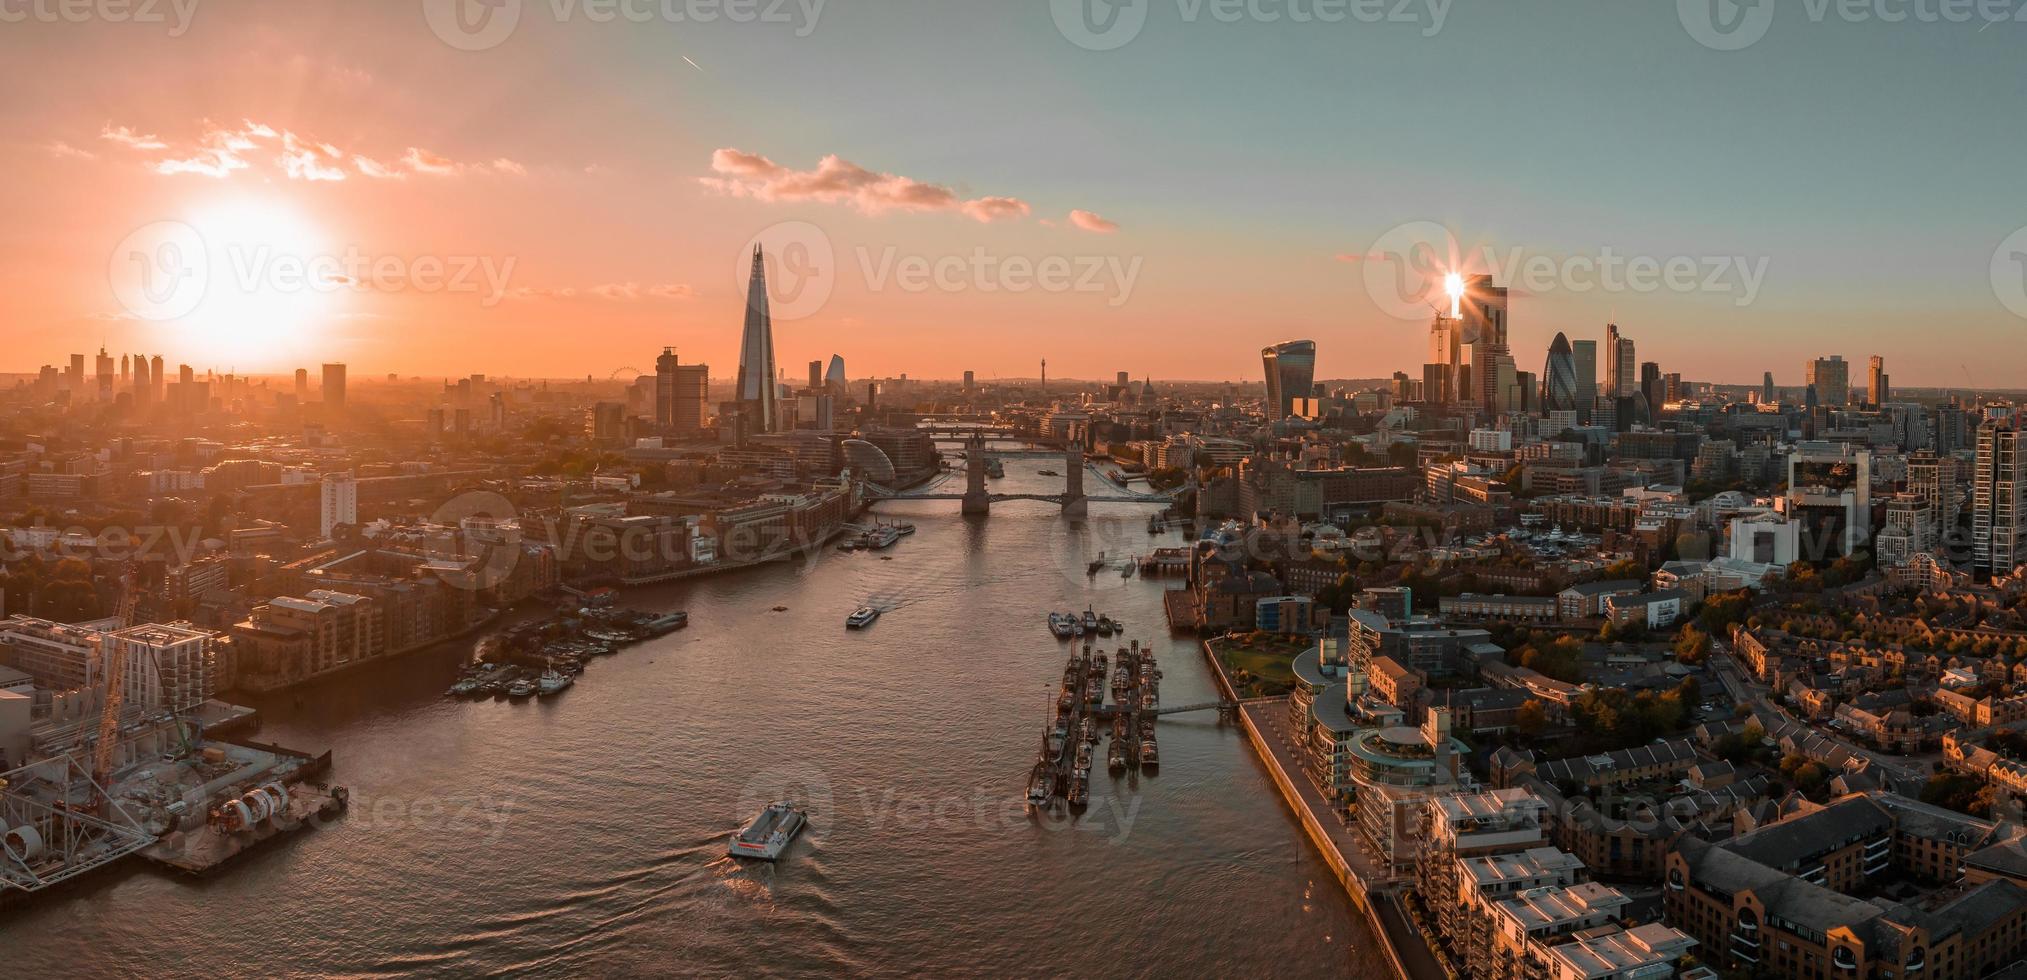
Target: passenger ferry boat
(862,617)
(769,834)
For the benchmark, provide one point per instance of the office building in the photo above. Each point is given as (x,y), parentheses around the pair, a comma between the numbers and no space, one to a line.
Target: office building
(1584,357)
(1620,366)
(1879,385)
(1291,374)
(1998,536)
(334,384)
(756,387)
(1831,378)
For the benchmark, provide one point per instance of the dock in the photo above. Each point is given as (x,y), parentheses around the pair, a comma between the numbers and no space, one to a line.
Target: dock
(1082,714)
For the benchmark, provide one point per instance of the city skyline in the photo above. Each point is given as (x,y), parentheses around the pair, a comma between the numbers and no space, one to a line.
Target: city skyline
(632,221)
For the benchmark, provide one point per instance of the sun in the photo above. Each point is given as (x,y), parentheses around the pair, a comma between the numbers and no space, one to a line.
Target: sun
(272,280)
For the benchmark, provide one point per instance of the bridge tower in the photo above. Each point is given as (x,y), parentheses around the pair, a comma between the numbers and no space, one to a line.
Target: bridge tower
(1074,504)
(976,499)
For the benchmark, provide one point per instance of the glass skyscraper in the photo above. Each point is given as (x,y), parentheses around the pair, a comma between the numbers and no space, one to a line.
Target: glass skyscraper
(756,390)
(1560,391)
(1291,374)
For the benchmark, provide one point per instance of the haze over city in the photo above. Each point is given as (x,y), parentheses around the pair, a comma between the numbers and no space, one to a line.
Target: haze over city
(1427,489)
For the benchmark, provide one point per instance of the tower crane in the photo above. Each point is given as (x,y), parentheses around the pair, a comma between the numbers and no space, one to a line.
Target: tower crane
(112,661)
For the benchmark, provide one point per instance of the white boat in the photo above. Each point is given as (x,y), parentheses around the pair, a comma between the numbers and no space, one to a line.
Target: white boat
(861,617)
(769,834)
(882,539)
(552,682)
(521,689)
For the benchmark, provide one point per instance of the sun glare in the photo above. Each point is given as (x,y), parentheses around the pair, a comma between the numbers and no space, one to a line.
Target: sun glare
(272,281)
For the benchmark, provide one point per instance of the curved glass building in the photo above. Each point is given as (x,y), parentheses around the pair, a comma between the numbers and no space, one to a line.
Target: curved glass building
(1559,378)
(1291,374)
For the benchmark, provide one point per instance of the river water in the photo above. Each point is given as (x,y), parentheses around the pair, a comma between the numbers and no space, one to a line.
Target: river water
(585,834)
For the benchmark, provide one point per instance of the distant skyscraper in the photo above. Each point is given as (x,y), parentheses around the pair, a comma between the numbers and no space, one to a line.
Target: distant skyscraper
(1584,354)
(302,385)
(834,376)
(105,374)
(1767,394)
(156,377)
(693,387)
(1831,378)
(815,374)
(1621,377)
(756,386)
(144,389)
(1559,383)
(970,381)
(334,385)
(1441,374)
(1878,384)
(1291,374)
(665,388)
(1998,525)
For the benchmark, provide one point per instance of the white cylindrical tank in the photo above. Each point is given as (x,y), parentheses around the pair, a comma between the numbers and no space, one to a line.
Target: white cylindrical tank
(236,815)
(259,806)
(23,843)
(279,794)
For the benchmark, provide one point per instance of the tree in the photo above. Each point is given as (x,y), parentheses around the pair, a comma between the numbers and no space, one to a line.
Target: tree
(1531,718)
(1692,646)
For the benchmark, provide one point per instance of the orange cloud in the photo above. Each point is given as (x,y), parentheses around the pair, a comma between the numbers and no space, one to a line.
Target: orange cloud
(839,181)
(1093,223)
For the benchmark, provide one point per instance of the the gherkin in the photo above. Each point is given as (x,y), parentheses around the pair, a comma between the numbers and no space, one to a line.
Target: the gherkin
(1559,378)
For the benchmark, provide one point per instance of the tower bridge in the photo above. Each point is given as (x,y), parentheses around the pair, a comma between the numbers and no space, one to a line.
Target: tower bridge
(978,499)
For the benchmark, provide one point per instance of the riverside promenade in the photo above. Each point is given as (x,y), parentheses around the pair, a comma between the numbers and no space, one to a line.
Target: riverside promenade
(1339,844)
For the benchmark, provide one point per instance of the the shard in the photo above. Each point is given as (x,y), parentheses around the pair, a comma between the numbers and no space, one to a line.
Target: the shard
(756,389)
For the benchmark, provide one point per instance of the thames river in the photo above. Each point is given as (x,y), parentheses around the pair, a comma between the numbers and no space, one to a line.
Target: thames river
(585,834)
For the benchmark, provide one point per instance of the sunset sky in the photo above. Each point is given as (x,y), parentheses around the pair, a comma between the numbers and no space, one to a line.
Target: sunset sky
(1209,187)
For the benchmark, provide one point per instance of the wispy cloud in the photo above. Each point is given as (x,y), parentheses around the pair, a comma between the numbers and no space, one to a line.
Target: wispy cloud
(64,151)
(839,181)
(1093,223)
(221,151)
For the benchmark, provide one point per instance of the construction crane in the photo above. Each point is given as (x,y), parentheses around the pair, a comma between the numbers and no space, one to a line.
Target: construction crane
(112,660)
